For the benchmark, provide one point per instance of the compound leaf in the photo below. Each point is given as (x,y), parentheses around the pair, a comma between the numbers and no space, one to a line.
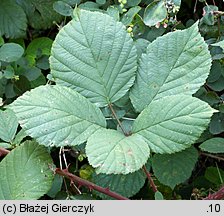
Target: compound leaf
(94,55)
(113,153)
(8,125)
(13,20)
(178,62)
(173,169)
(25,173)
(213,145)
(57,116)
(173,123)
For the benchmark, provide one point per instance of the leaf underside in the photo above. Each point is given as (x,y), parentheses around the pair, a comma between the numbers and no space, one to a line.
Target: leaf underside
(8,125)
(113,153)
(57,116)
(25,173)
(177,63)
(173,123)
(94,55)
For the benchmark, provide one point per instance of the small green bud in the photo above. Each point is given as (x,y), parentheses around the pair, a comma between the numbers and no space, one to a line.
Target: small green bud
(129,29)
(16,77)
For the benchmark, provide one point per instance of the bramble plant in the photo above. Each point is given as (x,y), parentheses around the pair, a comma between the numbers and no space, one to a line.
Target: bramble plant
(126,105)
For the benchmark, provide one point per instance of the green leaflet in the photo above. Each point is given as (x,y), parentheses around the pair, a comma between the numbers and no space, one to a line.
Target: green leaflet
(213,145)
(178,62)
(94,55)
(173,169)
(57,116)
(63,8)
(42,44)
(113,153)
(128,17)
(13,20)
(220,44)
(8,125)
(155,12)
(25,173)
(158,196)
(40,13)
(215,175)
(172,124)
(126,185)
(10,52)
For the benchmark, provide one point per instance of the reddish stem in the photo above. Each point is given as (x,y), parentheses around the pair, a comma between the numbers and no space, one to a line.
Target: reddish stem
(90,185)
(152,184)
(3,152)
(219,195)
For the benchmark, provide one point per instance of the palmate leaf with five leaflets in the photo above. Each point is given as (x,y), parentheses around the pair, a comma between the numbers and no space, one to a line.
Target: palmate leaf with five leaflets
(57,115)
(111,152)
(25,172)
(173,123)
(94,55)
(178,62)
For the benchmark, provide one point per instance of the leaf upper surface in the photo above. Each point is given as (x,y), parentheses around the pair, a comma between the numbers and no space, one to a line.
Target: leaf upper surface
(213,145)
(175,168)
(13,20)
(125,185)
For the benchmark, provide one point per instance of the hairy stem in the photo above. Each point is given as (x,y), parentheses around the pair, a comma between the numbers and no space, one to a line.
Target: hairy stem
(152,184)
(219,195)
(3,152)
(90,185)
(118,121)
